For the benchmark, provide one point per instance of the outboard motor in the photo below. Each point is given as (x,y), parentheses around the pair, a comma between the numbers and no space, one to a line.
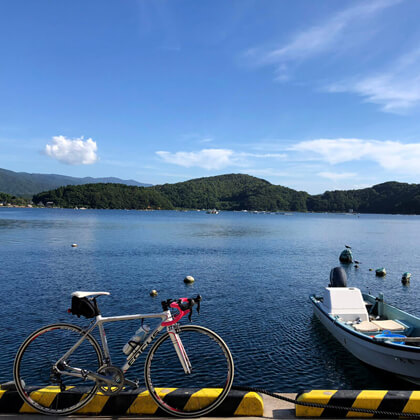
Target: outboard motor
(338,277)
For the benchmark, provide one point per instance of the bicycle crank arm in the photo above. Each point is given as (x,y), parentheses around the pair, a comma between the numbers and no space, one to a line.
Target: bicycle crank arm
(131,383)
(87,374)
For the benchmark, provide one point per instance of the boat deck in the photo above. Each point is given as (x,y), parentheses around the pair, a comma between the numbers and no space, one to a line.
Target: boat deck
(384,321)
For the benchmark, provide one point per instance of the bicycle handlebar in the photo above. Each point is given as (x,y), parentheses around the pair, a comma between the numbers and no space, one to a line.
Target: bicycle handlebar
(183,306)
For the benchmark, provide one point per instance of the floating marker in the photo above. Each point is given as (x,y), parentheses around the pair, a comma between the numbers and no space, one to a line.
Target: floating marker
(406,278)
(74,245)
(189,279)
(153,293)
(380,272)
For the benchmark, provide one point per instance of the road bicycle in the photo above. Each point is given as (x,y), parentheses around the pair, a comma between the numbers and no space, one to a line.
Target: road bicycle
(60,367)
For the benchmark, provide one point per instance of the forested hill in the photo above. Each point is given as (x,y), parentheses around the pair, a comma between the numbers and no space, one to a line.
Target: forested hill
(233,192)
(237,192)
(226,192)
(105,196)
(26,185)
(386,198)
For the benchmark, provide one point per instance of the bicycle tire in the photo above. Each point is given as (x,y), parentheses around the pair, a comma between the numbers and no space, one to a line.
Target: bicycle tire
(39,386)
(177,393)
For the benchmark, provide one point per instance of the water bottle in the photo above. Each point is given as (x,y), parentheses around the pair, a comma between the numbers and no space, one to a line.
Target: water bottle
(136,339)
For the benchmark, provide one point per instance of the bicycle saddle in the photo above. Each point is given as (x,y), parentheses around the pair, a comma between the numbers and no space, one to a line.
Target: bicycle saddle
(81,294)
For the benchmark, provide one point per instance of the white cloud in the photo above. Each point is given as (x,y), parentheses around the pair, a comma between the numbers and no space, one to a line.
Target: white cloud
(320,38)
(396,89)
(334,176)
(332,150)
(215,158)
(391,155)
(72,151)
(206,158)
(206,140)
(263,155)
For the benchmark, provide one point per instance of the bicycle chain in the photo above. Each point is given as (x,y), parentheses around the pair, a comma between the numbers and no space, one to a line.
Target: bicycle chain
(319,405)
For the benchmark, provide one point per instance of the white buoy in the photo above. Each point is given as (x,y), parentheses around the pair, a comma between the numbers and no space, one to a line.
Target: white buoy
(74,245)
(189,279)
(153,293)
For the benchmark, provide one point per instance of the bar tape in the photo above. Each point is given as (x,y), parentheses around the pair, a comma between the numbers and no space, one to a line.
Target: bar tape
(395,401)
(237,403)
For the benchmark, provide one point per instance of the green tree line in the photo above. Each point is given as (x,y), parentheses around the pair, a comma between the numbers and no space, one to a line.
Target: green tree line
(236,192)
(105,196)
(11,199)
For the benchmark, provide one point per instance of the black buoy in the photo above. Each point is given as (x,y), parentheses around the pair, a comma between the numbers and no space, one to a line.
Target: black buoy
(406,278)
(380,272)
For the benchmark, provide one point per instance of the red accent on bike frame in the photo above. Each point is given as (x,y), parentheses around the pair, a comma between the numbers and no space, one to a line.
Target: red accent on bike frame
(180,346)
(180,314)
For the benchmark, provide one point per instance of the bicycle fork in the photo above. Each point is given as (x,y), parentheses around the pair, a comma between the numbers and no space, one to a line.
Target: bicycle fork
(179,348)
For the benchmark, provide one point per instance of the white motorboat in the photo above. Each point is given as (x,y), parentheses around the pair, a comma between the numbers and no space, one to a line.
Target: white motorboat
(372,330)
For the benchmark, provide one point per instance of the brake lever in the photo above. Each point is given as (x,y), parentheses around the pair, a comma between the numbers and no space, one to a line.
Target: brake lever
(198,301)
(193,302)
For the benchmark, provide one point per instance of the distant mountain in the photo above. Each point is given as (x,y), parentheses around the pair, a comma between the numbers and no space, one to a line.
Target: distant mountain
(238,192)
(26,185)
(233,192)
(225,192)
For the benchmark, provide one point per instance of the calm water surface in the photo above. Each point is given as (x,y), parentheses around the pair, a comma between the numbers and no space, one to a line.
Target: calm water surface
(254,271)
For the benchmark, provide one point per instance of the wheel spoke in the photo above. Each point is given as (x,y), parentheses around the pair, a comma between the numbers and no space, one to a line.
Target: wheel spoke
(38,381)
(202,390)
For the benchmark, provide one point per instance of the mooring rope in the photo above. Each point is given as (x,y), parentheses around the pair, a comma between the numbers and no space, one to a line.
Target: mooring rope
(319,405)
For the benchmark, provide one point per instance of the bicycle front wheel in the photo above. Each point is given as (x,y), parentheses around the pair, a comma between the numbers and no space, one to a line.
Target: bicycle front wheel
(199,392)
(37,379)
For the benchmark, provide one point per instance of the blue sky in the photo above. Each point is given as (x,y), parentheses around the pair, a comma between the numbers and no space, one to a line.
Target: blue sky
(312,95)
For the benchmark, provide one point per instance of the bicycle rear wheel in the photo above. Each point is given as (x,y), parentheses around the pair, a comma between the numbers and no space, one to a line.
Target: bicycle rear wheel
(201,391)
(37,381)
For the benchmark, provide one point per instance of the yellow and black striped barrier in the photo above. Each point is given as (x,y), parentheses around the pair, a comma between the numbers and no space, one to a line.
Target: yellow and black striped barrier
(389,401)
(237,403)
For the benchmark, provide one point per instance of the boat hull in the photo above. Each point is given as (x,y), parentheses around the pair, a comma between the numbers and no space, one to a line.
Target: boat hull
(403,361)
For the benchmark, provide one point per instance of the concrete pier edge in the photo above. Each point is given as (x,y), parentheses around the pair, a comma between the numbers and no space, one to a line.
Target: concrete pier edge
(381,400)
(238,404)
(139,402)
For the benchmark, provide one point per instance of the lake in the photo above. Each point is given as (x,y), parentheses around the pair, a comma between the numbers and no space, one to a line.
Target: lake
(254,271)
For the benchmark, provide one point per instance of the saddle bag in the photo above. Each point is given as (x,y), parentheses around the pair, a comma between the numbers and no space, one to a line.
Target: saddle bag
(84,307)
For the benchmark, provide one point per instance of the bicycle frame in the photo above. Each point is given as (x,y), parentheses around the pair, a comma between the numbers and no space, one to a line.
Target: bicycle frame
(165,317)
